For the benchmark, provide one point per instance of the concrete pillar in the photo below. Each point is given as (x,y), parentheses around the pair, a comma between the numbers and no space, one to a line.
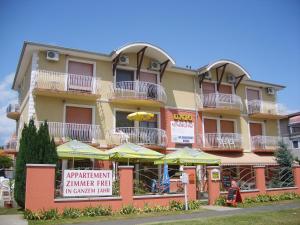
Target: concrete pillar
(213,186)
(260,179)
(126,184)
(296,173)
(40,177)
(192,186)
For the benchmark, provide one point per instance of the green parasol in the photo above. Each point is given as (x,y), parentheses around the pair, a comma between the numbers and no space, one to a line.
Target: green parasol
(185,156)
(76,149)
(130,151)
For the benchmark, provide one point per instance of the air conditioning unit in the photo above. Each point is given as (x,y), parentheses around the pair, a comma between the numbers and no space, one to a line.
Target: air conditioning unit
(155,65)
(124,60)
(231,79)
(270,91)
(52,55)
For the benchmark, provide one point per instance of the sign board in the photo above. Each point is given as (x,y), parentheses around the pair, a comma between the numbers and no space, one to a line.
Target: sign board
(182,132)
(233,196)
(183,117)
(184,178)
(226,180)
(77,183)
(215,174)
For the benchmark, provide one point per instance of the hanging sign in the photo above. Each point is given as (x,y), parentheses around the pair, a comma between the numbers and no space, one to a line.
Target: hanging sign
(182,132)
(215,174)
(77,183)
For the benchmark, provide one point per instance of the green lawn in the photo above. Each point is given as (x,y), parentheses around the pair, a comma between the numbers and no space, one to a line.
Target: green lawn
(284,217)
(9,211)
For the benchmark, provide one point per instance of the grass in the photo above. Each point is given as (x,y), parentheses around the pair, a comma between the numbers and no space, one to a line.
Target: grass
(10,211)
(286,217)
(107,218)
(255,204)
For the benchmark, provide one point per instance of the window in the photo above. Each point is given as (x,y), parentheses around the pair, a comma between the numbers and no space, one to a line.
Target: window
(150,124)
(295,144)
(80,76)
(122,121)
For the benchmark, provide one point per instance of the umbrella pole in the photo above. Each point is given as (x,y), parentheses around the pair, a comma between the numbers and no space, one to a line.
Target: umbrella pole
(73,162)
(128,162)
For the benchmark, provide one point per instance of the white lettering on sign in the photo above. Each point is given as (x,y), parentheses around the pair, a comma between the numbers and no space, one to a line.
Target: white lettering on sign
(87,183)
(182,132)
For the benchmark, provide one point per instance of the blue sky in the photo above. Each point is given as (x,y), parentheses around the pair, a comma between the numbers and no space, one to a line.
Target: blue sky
(262,35)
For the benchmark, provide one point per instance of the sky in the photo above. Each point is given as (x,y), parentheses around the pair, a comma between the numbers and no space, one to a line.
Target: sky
(261,35)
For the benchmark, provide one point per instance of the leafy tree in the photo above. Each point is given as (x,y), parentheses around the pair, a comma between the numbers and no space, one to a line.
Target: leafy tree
(283,156)
(5,162)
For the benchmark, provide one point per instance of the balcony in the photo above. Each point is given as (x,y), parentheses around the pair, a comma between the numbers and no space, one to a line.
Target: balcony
(138,93)
(265,144)
(50,83)
(62,132)
(264,110)
(13,111)
(142,136)
(221,103)
(217,142)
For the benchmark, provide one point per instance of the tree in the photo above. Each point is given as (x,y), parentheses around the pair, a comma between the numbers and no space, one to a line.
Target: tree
(20,177)
(35,147)
(285,160)
(5,162)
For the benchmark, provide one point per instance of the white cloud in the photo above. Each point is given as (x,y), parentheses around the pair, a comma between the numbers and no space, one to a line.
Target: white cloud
(286,110)
(7,126)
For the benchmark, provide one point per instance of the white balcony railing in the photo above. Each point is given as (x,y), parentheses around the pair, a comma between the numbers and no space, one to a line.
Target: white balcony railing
(138,90)
(141,135)
(66,82)
(268,142)
(221,141)
(266,107)
(74,131)
(12,108)
(220,100)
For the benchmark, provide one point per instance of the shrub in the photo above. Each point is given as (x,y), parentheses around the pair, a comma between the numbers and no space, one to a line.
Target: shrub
(97,211)
(129,209)
(51,214)
(221,201)
(194,204)
(263,198)
(29,215)
(175,205)
(71,213)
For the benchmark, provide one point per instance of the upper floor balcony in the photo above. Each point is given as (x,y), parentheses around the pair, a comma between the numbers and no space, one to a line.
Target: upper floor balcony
(62,132)
(221,103)
(50,83)
(264,109)
(138,93)
(13,111)
(217,142)
(294,126)
(153,137)
(266,144)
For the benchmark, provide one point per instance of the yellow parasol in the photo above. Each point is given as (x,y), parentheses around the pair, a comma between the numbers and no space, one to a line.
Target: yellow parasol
(140,116)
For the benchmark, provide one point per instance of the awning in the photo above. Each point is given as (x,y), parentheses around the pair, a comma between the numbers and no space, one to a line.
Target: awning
(246,159)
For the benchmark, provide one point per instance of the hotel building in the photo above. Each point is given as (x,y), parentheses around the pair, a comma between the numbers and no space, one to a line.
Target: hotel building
(87,96)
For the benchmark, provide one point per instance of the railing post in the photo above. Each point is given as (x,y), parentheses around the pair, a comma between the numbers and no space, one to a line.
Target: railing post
(213,186)
(126,184)
(260,178)
(296,173)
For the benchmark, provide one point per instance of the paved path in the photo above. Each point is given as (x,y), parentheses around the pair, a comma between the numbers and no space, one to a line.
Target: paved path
(196,215)
(12,220)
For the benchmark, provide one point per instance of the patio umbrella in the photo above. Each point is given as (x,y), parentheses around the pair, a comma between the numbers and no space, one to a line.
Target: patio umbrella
(140,116)
(166,178)
(184,156)
(129,151)
(76,149)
